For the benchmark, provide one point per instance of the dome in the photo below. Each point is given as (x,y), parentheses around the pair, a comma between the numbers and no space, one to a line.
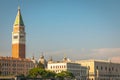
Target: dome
(65,59)
(33,59)
(42,60)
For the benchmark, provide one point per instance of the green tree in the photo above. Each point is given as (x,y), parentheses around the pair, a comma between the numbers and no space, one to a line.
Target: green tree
(60,76)
(65,75)
(40,73)
(50,74)
(35,72)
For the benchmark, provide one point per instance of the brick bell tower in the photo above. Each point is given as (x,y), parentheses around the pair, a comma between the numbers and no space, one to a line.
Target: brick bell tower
(18,37)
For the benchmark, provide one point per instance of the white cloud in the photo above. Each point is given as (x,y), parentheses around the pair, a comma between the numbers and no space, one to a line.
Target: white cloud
(77,54)
(106,52)
(102,53)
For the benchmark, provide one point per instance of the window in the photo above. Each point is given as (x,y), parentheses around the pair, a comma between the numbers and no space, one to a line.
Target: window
(64,66)
(96,67)
(51,67)
(21,36)
(116,70)
(112,68)
(101,67)
(109,69)
(106,68)
(15,37)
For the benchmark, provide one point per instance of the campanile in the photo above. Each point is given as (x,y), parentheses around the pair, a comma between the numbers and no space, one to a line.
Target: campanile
(18,37)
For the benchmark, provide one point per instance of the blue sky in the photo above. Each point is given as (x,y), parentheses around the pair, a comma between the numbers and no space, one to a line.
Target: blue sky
(78,29)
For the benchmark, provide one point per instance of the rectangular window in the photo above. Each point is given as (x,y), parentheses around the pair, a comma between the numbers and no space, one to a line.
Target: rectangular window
(21,36)
(15,37)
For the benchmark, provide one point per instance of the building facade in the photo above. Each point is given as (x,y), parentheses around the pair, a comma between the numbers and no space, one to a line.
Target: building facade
(15,66)
(101,70)
(18,37)
(76,69)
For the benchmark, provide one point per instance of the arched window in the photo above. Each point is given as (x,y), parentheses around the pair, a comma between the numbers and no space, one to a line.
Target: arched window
(101,68)
(96,67)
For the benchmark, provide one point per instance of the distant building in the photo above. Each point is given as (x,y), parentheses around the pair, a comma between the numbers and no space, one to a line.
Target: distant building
(50,60)
(34,61)
(78,71)
(101,70)
(43,61)
(65,59)
(15,66)
(18,37)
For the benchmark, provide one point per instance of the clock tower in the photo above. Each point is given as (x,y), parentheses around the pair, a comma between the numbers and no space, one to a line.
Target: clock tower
(18,37)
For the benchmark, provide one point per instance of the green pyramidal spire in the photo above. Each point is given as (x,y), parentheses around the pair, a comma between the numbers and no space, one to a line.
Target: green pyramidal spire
(19,20)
